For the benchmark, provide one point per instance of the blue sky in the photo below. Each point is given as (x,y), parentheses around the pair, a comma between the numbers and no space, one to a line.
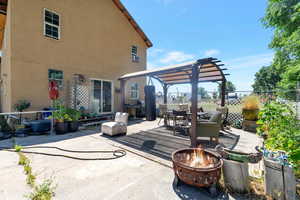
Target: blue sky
(183,30)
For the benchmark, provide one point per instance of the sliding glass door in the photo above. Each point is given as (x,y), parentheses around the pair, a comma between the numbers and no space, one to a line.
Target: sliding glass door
(101,96)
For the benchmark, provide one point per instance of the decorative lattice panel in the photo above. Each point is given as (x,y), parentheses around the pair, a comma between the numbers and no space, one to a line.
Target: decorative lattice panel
(80,96)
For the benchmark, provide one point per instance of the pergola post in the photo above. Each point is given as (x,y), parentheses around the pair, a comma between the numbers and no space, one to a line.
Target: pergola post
(223,92)
(122,90)
(194,108)
(165,91)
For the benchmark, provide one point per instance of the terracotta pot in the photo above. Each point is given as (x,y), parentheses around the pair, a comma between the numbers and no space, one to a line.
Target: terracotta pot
(61,127)
(250,115)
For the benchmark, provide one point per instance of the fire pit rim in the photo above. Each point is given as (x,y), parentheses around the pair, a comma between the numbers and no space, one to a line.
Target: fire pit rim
(219,164)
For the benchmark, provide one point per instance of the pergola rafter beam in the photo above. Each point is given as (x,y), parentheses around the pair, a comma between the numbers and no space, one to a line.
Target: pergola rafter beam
(184,74)
(200,77)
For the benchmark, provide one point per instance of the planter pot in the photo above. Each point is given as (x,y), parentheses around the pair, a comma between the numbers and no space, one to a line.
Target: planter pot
(249,126)
(61,127)
(280,181)
(73,126)
(239,156)
(250,115)
(5,135)
(236,176)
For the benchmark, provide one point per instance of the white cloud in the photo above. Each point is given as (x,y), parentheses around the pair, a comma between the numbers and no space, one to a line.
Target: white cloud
(211,52)
(176,57)
(250,61)
(153,52)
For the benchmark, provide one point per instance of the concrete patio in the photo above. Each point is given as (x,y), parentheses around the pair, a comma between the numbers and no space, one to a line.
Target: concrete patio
(138,175)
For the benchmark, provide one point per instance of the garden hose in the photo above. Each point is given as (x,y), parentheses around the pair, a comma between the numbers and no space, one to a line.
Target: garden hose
(115,153)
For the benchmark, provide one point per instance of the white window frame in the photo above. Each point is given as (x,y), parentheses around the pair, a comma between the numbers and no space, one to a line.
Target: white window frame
(55,79)
(134,56)
(137,91)
(92,95)
(47,23)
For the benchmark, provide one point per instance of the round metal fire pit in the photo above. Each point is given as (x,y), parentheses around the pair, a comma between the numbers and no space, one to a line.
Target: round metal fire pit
(201,175)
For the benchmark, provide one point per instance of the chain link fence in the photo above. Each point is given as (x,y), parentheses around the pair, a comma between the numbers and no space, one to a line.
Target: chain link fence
(234,101)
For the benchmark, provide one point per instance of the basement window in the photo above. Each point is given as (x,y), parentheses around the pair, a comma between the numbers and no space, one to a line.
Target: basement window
(51,24)
(134,54)
(57,76)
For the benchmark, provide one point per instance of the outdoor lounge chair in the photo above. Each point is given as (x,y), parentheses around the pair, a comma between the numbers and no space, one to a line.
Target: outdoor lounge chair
(119,126)
(210,128)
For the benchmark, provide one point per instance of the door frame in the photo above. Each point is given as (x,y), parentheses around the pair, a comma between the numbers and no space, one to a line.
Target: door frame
(112,93)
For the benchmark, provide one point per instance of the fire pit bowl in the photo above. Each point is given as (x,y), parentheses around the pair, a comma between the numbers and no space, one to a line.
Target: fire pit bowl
(196,166)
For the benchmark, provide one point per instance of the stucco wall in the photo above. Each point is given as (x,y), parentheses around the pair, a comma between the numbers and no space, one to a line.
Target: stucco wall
(6,65)
(96,41)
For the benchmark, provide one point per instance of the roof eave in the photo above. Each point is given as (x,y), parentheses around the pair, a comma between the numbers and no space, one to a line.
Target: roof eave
(131,20)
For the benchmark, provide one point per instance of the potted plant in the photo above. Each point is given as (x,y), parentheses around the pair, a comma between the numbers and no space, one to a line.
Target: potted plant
(74,116)
(22,105)
(250,108)
(61,119)
(250,112)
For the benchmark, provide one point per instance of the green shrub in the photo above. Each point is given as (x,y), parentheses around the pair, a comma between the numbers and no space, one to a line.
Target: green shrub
(279,124)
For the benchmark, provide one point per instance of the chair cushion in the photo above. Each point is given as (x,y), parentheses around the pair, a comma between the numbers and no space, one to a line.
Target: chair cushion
(121,117)
(113,128)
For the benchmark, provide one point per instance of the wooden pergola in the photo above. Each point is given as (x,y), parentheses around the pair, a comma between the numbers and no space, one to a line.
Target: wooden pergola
(199,71)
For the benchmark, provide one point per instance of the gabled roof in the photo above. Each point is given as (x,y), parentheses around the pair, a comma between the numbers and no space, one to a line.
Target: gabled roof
(138,29)
(119,5)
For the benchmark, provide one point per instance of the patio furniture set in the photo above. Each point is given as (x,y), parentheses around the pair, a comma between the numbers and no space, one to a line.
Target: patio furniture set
(209,123)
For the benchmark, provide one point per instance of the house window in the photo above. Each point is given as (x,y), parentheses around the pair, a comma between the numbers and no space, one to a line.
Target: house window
(134,54)
(57,76)
(51,24)
(134,91)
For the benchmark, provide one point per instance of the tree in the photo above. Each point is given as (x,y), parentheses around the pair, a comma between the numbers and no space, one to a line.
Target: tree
(266,79)
(230,87)
(203,93)
(283,16)
(289,82)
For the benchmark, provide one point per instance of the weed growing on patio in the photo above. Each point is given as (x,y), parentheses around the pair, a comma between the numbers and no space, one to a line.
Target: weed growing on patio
(30,180)
(45,191)
(22,159)
(25,162)
(18,148)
